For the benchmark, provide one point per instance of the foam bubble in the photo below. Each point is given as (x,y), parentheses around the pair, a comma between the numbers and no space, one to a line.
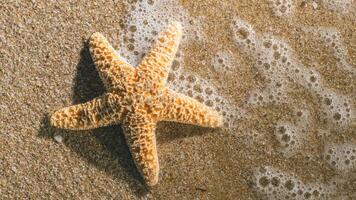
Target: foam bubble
(269,94)
(340,6)
(337,108)
(277,62)
(333,40)
(275,184)
(282,8)
(292,136)
(222,62)
(186,82)
(341,157)
(289,136)
(145,19)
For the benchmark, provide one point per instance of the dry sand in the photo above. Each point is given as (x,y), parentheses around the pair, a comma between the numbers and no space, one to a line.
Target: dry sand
(45,65)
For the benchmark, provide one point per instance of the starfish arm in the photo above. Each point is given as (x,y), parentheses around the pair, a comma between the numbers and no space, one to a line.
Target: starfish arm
(184,109)
(140,136)
(156,63)
(113,71)
(101,111)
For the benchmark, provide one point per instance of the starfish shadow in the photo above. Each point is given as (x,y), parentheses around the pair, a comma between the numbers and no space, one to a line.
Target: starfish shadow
(107,150)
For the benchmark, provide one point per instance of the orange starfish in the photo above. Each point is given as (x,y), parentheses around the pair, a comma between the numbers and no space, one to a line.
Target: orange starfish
(137,98)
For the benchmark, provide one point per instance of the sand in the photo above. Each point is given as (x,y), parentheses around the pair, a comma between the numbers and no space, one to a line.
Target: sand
(45,65)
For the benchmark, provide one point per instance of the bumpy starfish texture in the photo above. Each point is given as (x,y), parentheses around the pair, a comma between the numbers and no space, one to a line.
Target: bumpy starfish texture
(137,99)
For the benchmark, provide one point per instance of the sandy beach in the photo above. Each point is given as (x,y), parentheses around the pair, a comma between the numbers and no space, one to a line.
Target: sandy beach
(283,75)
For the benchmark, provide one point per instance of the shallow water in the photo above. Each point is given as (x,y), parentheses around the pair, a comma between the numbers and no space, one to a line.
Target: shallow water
(284,78)
(281,72)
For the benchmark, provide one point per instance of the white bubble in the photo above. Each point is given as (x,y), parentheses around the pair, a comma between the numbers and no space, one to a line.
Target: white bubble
(339,6)
(245,36)
(223,62)
(146,19)
(337,108)
(292,137)
(202,90)
(282,8)
(275,184)
(341,157)
(275,59)
(333,40)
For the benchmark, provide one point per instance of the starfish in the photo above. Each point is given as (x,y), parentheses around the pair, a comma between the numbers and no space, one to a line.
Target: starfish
(137,98)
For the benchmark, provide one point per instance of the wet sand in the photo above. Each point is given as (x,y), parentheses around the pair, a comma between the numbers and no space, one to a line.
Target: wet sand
(45,65)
